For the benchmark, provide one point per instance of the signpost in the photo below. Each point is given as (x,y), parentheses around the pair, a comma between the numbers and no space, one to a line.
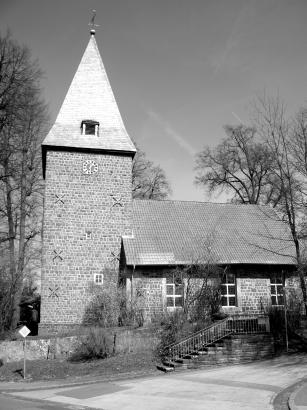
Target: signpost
(24,331)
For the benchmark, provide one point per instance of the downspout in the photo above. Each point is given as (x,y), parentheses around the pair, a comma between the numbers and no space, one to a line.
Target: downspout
(133,269)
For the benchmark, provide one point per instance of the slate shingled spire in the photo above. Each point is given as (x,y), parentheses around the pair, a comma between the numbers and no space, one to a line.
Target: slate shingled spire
(87,203)
(90,97)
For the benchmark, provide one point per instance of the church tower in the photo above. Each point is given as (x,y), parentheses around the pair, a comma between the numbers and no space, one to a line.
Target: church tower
(87,163)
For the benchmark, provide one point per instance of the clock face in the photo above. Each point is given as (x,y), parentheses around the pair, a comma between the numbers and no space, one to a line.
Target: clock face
(89,167)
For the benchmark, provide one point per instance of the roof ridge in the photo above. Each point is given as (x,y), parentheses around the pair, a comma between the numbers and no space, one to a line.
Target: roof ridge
(200,202)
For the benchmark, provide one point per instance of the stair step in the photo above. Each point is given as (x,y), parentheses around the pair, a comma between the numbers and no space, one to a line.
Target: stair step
(182,361)
(168,363)
(211,349)
(165,369)
(222,347)
(190,356)
(171,363)
(202,352)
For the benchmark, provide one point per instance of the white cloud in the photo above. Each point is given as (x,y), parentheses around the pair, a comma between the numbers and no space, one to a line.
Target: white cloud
(230,55)
(169,130)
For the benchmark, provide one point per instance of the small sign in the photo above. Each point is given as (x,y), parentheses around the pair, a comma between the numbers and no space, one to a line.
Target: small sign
(24,331)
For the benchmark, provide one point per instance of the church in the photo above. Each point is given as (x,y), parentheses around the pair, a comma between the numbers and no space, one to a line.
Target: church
(95,234)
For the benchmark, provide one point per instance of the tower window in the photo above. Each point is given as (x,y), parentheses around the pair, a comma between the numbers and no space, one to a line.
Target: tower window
(98,278)
(89,127)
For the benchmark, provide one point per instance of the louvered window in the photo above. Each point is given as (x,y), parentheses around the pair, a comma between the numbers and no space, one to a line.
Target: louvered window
(89,127)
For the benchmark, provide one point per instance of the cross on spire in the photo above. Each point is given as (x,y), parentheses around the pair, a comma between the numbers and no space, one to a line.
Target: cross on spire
(92,22)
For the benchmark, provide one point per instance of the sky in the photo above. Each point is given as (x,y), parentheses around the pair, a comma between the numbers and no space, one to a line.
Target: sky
(180,70)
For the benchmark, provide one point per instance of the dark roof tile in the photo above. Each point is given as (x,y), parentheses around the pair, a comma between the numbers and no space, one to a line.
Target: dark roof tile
(178,232)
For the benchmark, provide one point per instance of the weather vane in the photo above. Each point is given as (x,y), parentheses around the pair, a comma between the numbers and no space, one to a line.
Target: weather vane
(92,22)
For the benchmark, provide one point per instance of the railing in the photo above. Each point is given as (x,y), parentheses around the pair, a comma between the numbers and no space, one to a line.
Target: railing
(246,324)
(249,324)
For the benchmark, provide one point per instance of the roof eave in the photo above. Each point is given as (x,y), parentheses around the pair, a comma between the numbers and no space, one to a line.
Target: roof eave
(186,263)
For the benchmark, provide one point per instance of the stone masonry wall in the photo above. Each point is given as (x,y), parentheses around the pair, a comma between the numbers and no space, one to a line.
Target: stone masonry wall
(149,285)
(124,339)
(84,218)
(150,290)
(253,292)
(253,288)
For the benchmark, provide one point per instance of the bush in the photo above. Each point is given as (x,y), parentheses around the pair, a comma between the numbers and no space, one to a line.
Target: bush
(277,322)
(97,344)
(110,307)
(173,327)
(202,291)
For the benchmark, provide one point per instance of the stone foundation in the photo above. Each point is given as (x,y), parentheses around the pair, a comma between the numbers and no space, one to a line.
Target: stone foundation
(48,329)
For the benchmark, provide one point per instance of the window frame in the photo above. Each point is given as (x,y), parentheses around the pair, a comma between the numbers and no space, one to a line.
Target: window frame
(275,282)
(88,234)
(97,276)
(94,125)
(171,282)
(227,284)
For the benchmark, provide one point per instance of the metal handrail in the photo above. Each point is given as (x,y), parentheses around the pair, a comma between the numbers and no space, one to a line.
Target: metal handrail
(246,324)
(199,332)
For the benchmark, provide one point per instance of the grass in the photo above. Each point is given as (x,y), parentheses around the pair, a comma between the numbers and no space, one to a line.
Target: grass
(140,363)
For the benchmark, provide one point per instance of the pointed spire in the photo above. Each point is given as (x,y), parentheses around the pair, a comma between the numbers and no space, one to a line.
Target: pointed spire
(90,98)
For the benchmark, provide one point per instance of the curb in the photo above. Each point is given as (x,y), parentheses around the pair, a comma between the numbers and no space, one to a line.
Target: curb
(54,384)
(291,403)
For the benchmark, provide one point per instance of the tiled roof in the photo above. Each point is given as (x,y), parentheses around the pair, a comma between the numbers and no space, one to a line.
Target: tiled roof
(178,232)
(90,97)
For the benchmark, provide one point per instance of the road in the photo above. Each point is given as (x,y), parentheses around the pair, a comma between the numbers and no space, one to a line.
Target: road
(11,403)
(251,386)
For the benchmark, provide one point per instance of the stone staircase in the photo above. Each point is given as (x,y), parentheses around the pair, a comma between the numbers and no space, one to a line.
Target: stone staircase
(232,340)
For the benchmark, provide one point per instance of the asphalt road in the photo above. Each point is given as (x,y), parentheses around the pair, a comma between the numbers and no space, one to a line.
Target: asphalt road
(11,403)
(250,386)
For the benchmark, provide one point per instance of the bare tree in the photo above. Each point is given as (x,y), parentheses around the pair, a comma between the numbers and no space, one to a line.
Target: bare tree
(277,133)
(22,121)
(241,165)
(148,180)
(202,279)
(264,164)
(298,147)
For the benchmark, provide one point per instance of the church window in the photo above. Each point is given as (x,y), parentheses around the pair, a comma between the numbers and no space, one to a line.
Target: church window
(98,278)
(228,289)
(174,291)
(277,291)
(89,127)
